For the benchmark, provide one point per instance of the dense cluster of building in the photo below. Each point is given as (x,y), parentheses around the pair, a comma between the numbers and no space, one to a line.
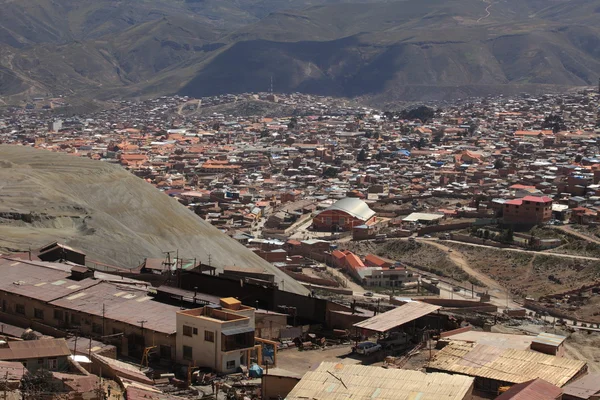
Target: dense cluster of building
(291,189)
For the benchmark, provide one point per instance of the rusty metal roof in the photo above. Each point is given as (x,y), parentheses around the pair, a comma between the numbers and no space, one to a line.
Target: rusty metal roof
(506,365)
(125,303)
(337,381)
(12,370)
(537,389)
(398,316)
(39,280)
(584,388)
(27,349)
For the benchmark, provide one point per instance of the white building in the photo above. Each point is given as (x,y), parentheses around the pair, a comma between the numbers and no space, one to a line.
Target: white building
(219,338)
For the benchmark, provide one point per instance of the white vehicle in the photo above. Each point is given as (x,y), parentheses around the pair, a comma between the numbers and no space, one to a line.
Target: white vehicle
(367,348)
(368,294)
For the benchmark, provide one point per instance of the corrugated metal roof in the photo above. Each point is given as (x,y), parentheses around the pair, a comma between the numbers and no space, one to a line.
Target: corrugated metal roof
(335,381)
(123,303)
(537,389)
(549,339)
(506,365)
(35,349)
(585,387)
(353,206)
(398,316)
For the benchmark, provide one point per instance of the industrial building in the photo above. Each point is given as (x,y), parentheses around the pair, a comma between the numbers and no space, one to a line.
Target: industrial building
(343,381)
(495,367)
(343,215)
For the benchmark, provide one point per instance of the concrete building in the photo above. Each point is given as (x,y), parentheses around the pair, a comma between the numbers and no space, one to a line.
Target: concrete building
(219,338)
(529,210)
(393,276)
(343,215)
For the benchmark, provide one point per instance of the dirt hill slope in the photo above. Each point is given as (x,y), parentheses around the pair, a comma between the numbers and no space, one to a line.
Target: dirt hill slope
(104,210)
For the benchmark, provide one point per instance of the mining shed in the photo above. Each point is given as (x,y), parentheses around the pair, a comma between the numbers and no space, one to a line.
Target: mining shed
(113,216)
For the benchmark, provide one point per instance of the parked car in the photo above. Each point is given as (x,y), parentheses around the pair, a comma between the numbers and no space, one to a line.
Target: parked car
(368,294)
(367,348)
(427,236)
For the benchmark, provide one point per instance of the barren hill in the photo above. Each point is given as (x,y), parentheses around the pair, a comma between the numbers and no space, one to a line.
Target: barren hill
(107,212)
(381,50)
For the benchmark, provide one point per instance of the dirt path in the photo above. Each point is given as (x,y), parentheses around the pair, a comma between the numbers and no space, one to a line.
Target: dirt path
(580,235)
(487,10)
(497,291)
(459,259)
(523,251)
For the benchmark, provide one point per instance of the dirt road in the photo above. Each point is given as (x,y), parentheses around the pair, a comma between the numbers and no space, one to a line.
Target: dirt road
(521,251)
(497,291)
(569,230)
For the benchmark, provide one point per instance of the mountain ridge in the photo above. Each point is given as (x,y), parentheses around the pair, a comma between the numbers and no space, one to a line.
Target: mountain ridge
(371,49)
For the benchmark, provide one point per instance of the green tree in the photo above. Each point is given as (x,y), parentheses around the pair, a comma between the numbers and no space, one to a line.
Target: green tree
(330,172)
(499,164)
(362,156)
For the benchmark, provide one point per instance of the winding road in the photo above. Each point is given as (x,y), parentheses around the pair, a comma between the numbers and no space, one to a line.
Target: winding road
(487,10)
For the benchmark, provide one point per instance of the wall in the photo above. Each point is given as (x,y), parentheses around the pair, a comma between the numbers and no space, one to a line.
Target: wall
(268,326)
(277,387)
(204,353)
(441,228)
(311,279)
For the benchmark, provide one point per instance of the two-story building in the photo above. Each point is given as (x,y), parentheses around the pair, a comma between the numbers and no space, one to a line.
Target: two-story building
(221,338)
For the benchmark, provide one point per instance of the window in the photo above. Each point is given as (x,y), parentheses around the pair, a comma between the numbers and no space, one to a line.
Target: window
(75,319)
(58,315)
(187,331)
(209,336)
(195,331)
(38,314)
(230,364)
(97,328)
(20,309)
(187,352)
(52,363)
(40,361)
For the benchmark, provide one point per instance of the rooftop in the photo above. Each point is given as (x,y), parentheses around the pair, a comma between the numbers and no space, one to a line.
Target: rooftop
(342,381)
(397,317)
(505,365)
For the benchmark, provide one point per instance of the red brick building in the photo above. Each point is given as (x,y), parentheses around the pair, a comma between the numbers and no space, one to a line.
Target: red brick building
(530,210)
(343,215)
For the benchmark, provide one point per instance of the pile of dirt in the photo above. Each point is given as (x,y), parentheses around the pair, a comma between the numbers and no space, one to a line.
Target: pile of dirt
(113,216)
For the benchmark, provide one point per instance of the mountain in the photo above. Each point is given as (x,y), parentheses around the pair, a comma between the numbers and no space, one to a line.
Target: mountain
(382,50)
(110,214)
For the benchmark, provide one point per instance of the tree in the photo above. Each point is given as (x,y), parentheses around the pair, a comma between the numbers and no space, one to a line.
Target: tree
(34,385)
(554,122)
(330,172)
(293,123)
(578,158)
(498,164)
(439,135)
(421,143)
(422,113)
(362,156)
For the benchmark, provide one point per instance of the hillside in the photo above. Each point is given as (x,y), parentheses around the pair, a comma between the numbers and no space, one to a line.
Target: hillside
(113,216)
(375,49)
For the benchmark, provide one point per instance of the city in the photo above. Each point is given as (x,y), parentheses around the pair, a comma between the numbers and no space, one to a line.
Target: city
(453,247)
